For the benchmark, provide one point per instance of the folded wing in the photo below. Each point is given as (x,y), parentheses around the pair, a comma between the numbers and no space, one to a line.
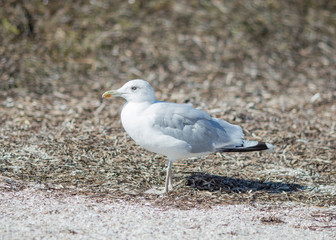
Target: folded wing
(195,127)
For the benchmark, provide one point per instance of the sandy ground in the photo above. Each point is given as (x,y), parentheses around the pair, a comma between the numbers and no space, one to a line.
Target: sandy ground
(36,214)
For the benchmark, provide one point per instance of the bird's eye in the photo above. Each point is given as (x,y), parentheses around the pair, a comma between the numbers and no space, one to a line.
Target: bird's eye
(134,88)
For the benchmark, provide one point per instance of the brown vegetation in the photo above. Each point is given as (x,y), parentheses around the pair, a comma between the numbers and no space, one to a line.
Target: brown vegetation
(268,66)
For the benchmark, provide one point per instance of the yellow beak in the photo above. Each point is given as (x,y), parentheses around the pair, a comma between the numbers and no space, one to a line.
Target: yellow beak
(111,93)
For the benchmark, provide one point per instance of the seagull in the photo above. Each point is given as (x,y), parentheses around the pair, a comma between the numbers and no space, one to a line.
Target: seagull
(177,131)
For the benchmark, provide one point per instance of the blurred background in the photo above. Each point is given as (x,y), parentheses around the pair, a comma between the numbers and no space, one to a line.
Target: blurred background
(266,65)
(63,45)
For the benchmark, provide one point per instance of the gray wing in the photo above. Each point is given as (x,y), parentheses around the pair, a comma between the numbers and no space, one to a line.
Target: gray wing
(197,128)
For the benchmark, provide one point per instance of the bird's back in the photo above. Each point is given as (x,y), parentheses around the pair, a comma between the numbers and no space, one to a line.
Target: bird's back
(193,126)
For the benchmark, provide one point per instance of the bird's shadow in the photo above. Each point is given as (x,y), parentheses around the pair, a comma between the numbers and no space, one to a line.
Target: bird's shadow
(212,183)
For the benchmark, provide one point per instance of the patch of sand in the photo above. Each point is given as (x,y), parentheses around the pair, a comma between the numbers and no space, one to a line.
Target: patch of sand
(36,214)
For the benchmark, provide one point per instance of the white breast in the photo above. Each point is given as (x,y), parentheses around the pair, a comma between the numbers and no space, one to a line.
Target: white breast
(138,124)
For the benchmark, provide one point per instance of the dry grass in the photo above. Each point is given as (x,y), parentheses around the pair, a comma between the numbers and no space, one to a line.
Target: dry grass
(266,65)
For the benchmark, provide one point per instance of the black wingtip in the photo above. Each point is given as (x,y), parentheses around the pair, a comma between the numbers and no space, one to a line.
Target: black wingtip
(259,147)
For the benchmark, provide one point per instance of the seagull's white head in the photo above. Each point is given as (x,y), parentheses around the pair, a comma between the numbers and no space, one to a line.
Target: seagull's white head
(136,90)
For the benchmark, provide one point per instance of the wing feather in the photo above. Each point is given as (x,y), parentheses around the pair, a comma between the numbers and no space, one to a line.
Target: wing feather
(197,128)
